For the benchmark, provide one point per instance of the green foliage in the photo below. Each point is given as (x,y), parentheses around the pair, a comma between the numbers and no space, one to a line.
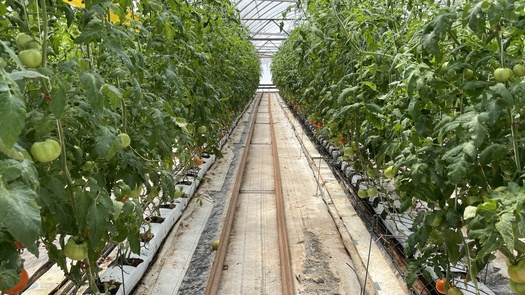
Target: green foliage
(390,78)
(159,71)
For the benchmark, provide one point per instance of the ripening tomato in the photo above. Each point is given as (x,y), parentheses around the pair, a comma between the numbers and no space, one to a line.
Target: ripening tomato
(198,161)
(24,278)
(517,271)
(440,285)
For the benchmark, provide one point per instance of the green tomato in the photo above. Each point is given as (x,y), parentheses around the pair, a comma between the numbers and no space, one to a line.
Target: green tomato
(3,63)
(371,192)
(22,41)
(436,221)
(178,193)
(454,291)
(390,172)
(124,140)
(30,58)
(517,288)
(117,208)
(519,70)
(517,271)
(76,251)
(215,244)
(202,129)
(502,74)
(468,74)
(88,165)
(46,151)
(362,193)
(372,172)
(349,151)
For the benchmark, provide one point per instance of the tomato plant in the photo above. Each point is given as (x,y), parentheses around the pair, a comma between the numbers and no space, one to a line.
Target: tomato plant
(168,75)
(431,89)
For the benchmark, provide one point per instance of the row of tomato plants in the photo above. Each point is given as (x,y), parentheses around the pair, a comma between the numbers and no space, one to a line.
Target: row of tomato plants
(430,94)
(101,104)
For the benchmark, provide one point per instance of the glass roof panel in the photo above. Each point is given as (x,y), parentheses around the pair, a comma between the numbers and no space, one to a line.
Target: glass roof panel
(265,19)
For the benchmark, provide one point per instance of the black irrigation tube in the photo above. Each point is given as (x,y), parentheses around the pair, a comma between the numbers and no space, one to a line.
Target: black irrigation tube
(366,211)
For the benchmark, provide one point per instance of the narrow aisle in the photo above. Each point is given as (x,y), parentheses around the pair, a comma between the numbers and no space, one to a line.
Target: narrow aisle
(252,260)
(319,260)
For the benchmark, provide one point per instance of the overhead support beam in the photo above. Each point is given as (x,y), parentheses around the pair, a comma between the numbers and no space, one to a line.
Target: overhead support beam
(268,19)
(268,39)
(268,34)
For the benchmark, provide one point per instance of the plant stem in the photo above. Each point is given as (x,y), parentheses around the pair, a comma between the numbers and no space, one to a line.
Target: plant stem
(514,142)
(92,283)
(46,31)
(469,264)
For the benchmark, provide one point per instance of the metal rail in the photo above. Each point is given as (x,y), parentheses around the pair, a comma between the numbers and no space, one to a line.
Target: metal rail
(284,250)
(216,271)
(287,277)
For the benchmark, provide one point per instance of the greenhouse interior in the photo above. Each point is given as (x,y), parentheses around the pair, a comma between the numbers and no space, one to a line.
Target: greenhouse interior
(262,147)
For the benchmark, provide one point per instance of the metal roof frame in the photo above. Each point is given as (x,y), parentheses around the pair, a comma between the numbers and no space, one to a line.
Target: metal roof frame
(264,20)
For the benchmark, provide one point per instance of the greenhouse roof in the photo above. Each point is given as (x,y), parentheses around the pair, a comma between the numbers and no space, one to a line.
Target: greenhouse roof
(268,27)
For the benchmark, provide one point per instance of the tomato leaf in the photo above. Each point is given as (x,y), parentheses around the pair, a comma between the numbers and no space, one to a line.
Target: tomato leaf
(91,83)
(21,75)
(107,143)
(58,100)
(12,110)
(97,218)
(13,170)
(504,227)
(492,154)
(457,170)
(113,94)
(19,212)
(347,92)
(452,241)
(476,19)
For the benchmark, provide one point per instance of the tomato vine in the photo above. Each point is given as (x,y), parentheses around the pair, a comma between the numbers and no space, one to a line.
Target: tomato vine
(125,94)
(413,87)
